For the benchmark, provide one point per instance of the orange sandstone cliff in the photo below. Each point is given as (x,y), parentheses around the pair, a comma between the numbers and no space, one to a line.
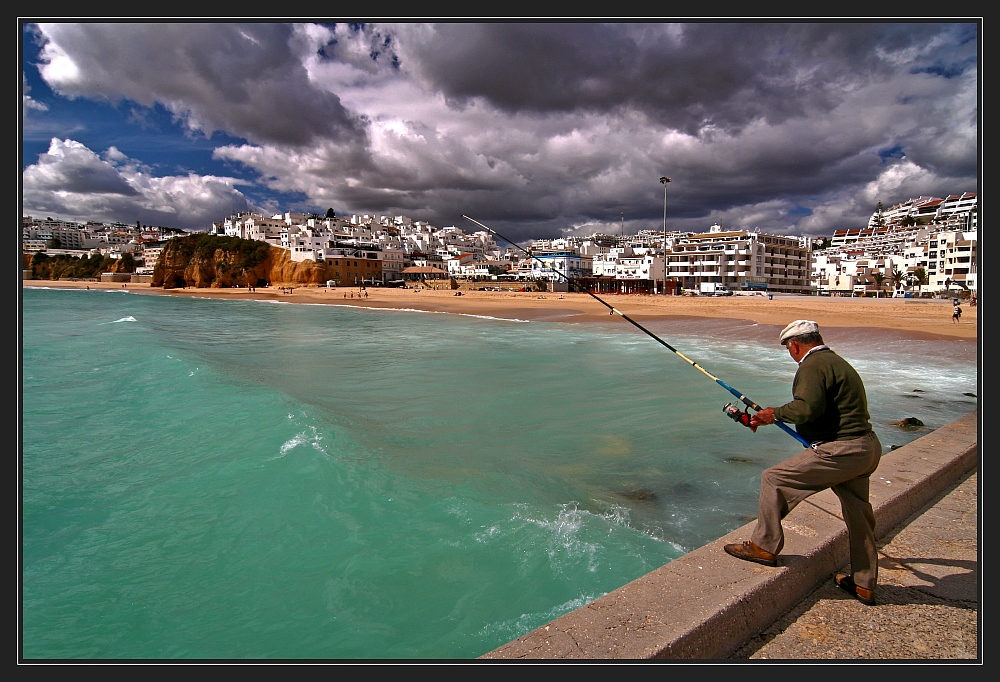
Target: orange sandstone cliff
(203,261)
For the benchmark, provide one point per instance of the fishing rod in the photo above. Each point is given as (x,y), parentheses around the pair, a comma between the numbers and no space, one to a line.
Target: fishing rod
(730,410)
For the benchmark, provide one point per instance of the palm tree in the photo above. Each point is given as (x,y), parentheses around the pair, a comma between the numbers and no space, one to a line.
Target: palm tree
(879,278)
(919,276)
(897,278)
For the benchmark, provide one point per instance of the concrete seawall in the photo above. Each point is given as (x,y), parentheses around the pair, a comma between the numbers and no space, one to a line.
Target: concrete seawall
(706,605)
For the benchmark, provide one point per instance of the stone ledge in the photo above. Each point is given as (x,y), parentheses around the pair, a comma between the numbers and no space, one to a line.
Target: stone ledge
(705,604)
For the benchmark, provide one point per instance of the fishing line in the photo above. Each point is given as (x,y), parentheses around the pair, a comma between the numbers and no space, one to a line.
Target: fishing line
(731,411)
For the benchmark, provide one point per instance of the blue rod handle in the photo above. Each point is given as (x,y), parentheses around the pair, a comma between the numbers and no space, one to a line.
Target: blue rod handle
(751,404)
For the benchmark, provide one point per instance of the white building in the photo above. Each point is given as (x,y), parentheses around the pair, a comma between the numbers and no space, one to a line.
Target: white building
(952,259)
(948,260)
(35,237)
(640,271)
(558,267)
(393,263)
(742,261)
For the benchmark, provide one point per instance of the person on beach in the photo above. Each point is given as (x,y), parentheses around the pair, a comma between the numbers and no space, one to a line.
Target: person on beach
(830,410)
(956,315)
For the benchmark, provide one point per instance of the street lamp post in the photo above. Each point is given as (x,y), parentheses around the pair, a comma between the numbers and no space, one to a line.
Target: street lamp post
(664,181)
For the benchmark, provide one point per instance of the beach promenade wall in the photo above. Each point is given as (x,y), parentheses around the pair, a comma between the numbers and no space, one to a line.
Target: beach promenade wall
(706,604)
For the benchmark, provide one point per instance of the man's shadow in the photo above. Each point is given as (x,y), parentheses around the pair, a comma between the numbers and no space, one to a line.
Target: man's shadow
(959,588)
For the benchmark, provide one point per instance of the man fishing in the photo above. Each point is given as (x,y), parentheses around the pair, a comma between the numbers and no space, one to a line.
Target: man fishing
(830,411)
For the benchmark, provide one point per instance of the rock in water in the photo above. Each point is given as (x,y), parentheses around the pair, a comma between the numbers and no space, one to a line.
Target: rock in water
(909,423)
(640,495)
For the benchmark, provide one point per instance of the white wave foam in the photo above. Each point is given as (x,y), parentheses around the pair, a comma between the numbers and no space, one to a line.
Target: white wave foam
(129,318)
(310,437)
(618,514)
(526,622)
(430,312)
(375,309)
(564,535)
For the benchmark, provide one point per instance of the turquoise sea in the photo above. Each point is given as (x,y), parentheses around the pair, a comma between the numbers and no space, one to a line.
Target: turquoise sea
(206,479)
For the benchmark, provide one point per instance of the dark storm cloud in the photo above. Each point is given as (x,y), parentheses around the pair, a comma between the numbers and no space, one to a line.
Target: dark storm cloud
(686,76)
(543,128)
(245,79)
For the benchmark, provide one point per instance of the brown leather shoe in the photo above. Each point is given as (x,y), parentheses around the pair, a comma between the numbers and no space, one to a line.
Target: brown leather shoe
(862,594)
(751,552)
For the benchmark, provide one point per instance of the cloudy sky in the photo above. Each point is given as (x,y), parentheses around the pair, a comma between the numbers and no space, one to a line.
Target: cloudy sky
(535,129)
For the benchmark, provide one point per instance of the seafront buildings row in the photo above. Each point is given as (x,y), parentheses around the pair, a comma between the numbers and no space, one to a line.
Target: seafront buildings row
(923,246)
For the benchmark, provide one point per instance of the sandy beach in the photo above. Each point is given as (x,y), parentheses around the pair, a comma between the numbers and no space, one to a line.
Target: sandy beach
(913,318)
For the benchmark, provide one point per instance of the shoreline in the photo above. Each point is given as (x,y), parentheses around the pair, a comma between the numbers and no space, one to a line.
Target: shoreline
(911,318)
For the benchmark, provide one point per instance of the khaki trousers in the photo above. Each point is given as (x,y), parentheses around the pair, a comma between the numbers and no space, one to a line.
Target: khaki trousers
(845,466)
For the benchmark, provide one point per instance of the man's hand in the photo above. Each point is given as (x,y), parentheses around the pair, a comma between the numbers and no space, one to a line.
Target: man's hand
(764,416)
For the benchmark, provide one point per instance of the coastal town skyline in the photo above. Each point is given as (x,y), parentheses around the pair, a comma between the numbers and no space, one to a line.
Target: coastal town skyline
(541,129)
(924,240)
(954,206)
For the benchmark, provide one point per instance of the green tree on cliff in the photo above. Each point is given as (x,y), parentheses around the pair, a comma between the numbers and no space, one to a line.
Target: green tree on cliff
(234,257)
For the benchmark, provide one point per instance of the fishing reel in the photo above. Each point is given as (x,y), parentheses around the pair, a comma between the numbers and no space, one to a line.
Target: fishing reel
(738,416)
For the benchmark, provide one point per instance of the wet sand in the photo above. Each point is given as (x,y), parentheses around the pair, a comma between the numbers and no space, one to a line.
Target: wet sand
(912,318)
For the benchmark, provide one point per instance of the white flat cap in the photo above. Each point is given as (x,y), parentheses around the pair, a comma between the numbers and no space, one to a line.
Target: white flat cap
(798,328)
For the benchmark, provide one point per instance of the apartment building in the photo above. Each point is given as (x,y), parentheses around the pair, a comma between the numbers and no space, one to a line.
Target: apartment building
(922,207)
(259,228)
(928,236)
(354,266)
(642,271)
(455,263)
(950,258)
(956,210)
(394,261)
(742,261)
(557,267)
(36,237)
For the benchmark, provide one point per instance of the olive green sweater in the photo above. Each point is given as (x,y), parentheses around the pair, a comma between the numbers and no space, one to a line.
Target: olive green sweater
(829,400)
